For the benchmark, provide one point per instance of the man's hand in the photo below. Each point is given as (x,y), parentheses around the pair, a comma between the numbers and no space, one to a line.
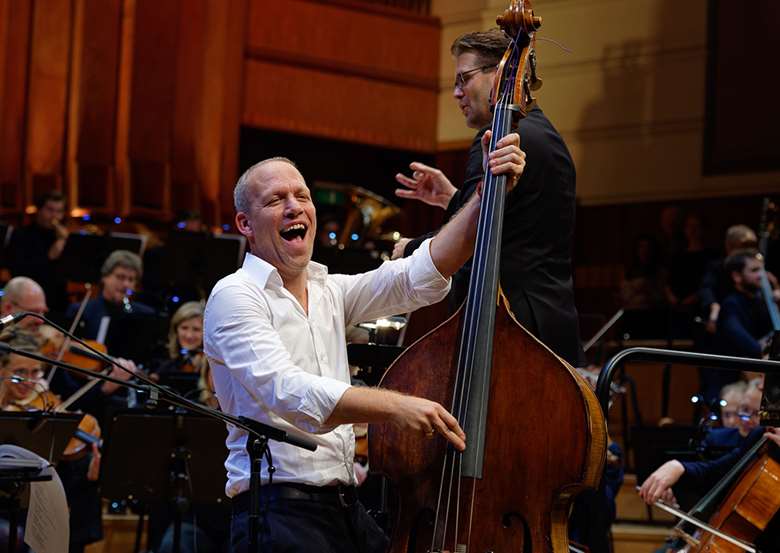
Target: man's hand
(773,434)
(507,159)
(659,484)
(110,387)
(427,184)
(398,249)
(429,418)
(372,405)
(712,322)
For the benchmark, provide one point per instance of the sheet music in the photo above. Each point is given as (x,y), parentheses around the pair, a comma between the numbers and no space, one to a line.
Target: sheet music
(47,529)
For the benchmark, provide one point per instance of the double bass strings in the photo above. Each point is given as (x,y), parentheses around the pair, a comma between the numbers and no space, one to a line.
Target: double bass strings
(492,203)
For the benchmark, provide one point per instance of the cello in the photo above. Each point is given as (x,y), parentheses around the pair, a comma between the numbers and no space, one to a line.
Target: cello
(536,434)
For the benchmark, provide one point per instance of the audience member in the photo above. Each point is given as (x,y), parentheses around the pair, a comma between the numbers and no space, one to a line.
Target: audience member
(688,266)
(643,287)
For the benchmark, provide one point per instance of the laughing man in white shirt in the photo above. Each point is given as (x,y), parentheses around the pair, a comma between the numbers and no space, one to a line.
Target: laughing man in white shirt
(275,338)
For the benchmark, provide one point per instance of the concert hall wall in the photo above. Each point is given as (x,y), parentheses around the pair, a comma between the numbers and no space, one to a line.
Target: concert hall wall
(134,107)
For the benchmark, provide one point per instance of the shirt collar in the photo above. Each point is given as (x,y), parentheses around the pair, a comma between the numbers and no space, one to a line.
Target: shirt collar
(265,274)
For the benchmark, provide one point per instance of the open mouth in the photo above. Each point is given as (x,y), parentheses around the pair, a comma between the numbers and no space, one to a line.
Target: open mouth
(294,232)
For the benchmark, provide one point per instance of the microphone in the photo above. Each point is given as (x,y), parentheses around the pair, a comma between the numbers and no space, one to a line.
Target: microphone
(11,319)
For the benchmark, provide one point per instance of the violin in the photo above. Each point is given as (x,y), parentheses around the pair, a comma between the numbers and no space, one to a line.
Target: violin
(55,345)
(87,433)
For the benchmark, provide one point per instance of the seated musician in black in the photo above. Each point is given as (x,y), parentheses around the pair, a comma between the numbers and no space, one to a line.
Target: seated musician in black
(744,324)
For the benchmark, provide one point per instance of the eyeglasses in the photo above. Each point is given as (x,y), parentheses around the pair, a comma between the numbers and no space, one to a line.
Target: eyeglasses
(27,374)
(463,78)
(749,415)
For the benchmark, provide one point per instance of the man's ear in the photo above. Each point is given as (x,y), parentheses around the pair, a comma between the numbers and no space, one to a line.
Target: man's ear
(242,224)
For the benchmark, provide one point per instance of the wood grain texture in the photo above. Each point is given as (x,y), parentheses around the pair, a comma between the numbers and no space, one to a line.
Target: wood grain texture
(49,71)
(14,48)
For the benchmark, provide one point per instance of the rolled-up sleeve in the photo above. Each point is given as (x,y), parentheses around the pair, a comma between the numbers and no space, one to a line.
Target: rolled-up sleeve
(240,337)
(395,287)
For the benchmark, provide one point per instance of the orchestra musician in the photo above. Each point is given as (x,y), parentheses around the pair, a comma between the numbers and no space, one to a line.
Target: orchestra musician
(35,249)
(658,486)
(715,286)
(121,272)
(743,323)
(23,388)
(185,350)
(24,294)
(538,232)
(275,338)
(536,266)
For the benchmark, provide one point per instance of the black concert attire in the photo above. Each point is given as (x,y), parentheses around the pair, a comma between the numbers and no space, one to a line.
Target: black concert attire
(332,520)
(536,265)
(722,440)
(28,254)
(715,286)
(743,321)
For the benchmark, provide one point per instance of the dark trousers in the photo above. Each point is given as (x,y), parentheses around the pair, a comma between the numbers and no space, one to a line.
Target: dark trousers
(321,524)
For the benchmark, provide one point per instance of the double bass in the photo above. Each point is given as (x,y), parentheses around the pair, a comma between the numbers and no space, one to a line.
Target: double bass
(536,435)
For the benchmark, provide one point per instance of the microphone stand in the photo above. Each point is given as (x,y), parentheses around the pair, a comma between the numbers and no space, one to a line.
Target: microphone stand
(257,440)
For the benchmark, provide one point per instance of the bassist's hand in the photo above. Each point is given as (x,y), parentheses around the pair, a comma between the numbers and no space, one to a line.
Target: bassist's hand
(428,418)
(507,159)
(773,434)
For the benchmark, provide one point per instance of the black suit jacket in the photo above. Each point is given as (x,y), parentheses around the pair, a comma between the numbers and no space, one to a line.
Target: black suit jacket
(536,266)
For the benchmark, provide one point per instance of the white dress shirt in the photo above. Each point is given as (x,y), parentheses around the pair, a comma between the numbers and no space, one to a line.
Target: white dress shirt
(273,362)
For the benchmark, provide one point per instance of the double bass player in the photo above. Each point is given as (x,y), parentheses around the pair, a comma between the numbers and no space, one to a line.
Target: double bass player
(274,336)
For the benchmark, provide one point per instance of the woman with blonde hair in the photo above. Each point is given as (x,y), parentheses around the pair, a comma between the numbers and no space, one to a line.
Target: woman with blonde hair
(185,349)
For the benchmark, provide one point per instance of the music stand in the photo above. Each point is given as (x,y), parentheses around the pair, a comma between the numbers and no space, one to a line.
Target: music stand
(135,243)
(180,382)
(184,264)
(188,451)
(45,434)
(83,257)
(135,335)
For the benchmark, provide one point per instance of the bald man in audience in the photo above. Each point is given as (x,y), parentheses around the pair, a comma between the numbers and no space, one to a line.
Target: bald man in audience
(24,294)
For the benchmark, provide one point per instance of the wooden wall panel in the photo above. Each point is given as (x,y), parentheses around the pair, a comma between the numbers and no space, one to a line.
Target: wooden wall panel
(14,45)
(47,95)
(151,104)
(342,71)
(323,104)
(93,104)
